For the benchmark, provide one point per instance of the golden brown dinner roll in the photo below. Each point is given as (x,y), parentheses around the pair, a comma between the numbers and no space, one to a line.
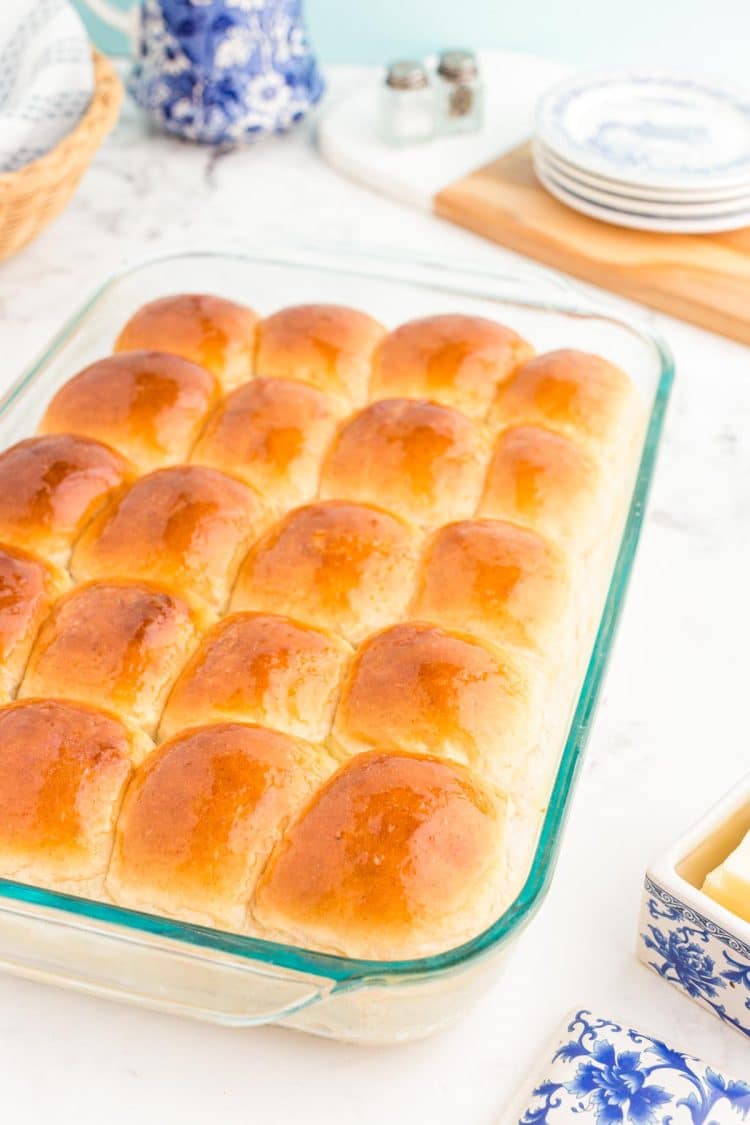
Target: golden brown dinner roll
(344,567)
(457,360)
(186,528)
(413,531)
(429,691)
(396,856)
(50,487)
(201,817)
(28,587)
(422,461)
(260,668)
(542,480)
(496,581)
(272,434)
(117,644)
(328,346)
(149,405)
(581,395)
(63,771)
(216,333)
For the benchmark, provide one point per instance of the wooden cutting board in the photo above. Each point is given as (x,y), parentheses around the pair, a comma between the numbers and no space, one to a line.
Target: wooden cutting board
(701,278)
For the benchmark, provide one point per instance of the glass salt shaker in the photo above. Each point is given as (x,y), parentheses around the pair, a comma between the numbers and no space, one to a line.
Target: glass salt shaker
(407,108)
(460,92)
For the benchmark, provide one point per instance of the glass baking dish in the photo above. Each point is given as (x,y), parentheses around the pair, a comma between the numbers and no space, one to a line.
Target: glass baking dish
(241,981)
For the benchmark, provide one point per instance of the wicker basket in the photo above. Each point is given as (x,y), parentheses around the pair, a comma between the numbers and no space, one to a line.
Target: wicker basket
(33,196)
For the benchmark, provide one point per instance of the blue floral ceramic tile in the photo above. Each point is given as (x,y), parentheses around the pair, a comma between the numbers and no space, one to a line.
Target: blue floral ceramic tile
(613,1075)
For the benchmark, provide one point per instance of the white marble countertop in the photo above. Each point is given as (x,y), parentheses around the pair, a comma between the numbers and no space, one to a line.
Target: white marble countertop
(670,736)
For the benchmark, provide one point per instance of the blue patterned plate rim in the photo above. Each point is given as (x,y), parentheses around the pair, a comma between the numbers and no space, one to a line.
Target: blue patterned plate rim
(602,1070)
(688,145)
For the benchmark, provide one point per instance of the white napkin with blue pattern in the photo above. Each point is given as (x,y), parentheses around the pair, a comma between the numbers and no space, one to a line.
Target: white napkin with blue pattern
(46,77)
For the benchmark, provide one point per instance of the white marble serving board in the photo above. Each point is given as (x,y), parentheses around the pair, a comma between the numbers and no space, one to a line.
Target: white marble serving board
(349,141)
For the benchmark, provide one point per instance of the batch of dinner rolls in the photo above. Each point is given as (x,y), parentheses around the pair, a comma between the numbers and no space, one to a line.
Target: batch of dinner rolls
(293,612)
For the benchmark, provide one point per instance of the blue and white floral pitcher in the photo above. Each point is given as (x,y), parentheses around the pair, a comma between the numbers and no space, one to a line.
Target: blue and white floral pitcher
(219,71)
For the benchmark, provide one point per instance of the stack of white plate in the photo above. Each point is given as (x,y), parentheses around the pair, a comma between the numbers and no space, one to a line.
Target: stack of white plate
(647,150)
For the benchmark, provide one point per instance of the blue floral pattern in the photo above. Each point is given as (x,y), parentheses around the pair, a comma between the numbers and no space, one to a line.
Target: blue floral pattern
(680,130)
(224,71)
(694,953)
(621,1077)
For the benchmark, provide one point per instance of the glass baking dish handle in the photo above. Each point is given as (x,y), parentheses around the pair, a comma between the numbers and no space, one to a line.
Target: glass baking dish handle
(151,970)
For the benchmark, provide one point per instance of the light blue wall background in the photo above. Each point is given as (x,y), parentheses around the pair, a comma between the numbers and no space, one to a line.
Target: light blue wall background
(711,35)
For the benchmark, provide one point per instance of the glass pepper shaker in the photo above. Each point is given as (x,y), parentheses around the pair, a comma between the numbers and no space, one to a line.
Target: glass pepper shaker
(460,92)
(407,108)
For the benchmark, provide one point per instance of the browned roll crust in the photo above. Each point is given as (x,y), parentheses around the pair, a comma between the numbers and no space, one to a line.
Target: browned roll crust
(327,346)
(578,394)
(496,581)
(63,771)
(211,331)
(148,405)
(542,480)
(422,461)
(456,360)
(28,588)
(272,434)
(343,567)
(50,487)
(460,508)
(428,691)
(186,528)
(117,645)
(201,817)
(395,856)
(260,668)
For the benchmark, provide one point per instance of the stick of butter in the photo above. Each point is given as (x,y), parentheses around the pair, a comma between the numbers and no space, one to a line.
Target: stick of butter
(729,884)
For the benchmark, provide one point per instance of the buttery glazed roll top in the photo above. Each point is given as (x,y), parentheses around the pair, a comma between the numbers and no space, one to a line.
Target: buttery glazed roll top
(540,479)
(28,587)
(117,645)
(50,487)
(272,434)
(260,668)
(328,346)
(429,691)
(455,360)
(425,494)
(395,856)
(201,817)
(340,566)
(63,771)
(581,395)
(149,405)
(185,528)
(494,580)
(423,461)
(211,331)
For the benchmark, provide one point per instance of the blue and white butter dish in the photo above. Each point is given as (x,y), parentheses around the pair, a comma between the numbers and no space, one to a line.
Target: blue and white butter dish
(690,940)
(46,78)
(604,1072)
